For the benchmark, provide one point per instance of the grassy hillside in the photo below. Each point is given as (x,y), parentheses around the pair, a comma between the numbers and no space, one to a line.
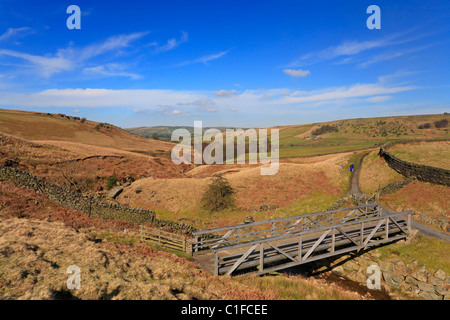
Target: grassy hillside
(37,126)
(80,154)
(354,134)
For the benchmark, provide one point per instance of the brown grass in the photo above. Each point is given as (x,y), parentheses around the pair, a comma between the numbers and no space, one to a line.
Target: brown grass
(39,240)
(375,173)
(295,185)
(422,197)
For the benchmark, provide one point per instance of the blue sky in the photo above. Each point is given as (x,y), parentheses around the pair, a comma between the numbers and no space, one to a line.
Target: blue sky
(227,63)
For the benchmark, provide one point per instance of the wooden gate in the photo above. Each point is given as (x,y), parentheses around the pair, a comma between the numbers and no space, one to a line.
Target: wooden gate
(165,239)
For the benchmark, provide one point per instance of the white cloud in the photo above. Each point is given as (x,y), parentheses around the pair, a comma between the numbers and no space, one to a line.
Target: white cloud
(297,73)
(225,93)
(188,103)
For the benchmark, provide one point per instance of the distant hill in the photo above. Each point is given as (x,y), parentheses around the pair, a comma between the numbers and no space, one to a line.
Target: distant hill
(165,132)
(362,133)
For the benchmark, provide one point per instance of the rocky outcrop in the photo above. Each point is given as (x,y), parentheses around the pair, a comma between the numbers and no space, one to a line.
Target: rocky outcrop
(414,280)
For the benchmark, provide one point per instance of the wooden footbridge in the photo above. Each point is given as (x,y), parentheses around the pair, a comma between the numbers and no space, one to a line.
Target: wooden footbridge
(271,245)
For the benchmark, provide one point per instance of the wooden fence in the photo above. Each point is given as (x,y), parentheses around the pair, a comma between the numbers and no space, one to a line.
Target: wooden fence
(165,239)
(365,198)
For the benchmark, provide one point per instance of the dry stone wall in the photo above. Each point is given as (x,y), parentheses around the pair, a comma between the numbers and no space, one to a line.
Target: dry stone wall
(413,170)
(91,206)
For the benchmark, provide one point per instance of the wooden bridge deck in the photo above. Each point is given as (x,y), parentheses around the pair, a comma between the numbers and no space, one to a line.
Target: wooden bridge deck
(271,245)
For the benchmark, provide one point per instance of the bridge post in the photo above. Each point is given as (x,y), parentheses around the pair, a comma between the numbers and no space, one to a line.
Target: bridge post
(409,223)
(261,257)
(387,228)
(300,245)
(333,238)
(362,233)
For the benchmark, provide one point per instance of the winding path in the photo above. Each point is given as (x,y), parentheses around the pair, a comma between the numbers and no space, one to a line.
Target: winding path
(354,184)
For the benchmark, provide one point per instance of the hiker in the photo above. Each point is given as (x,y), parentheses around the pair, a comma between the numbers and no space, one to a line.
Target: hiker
(351,167)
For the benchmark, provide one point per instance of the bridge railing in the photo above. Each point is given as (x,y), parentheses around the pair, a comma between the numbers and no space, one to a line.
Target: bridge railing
(212,239)
(312,244)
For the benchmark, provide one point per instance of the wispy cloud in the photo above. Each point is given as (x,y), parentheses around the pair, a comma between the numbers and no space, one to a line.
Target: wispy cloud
(345,49)
(348,49)
(204,59)
(354,91)
(171,43)
(69,58)
(14,32)
(45,66)
(297,73)
(392,55)
(111,70)
(112,44)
